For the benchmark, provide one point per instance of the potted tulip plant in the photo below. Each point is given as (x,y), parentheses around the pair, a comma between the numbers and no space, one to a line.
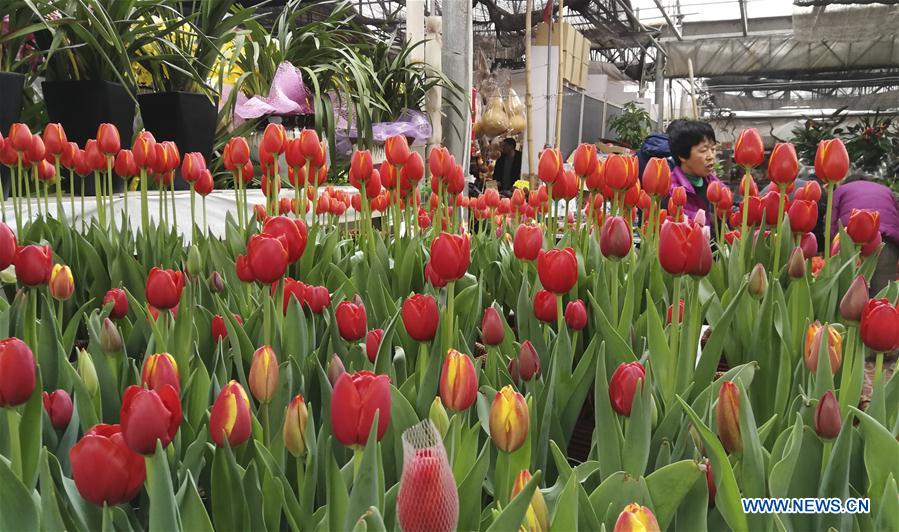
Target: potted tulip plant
(187,69)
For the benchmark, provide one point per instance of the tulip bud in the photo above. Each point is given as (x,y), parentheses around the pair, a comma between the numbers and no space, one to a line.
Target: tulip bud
(59,408)
(295,421)
(758,281)
(159,370)
(827,416)
(623,386)
(854,300)
(230,416)
(813,337)
(438,416)
(62,284)
(509,420)
(110,338)
(194,261)
(636,518)
(335,369)
(492,330)
(88,373)
(263,379)
(17,372)
(458,381)
(373,343)
(576,315)
(528,361)
(537,514)
(727,417)
(796,264)
(216,283)
(615,238)
(710,482)
(149,416)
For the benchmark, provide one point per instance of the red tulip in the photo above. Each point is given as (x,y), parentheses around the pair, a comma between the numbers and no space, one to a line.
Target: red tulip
(576,315)
(292,231)
(318,298)
(749,149)
(619,171)
(205,184)
(831,161)
(354,401)
(863,225)
(164,288)
(124,165)
(585,160)
(684,249)
(239,151)
(427,500)
(274,139)
(557,269)
(268,257)
(528,242)
(62,284)
(59,408)
(397,150)
(104,469)
(491,198)
(120,303)
(545,306)
(727,417)
(54,138)
(811,192)
(360,169)
(149,415)
(623,386)
(293,153)
(193,166)
(413,169)
(615,238)
(108,139)
(144,149)
(783,164)
(679,196)
(46,171)
(854,300)
(160,160)
(803,216)
(827,416)
(450,256)
(657,177)
(33,265)
(432,277)
(880,325)
(351,320)
(160,370)
(17,372)
(680,314)
(67,157)
(458,381)
(309,142)
(550,165)
(421,317)
(8,246)
(492,330)
(528,361)
(220,328)
(230,416)
(20,137)
(373,343)
(263,377)
(439,162)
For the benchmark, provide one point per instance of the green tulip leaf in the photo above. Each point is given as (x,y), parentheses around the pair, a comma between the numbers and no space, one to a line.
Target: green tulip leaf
(163,507)
(365,484)
(513,515)
(879,445)
(669,485)
(888,513)
(617,491)
(18,510)
(609,441)
(565,514)
(471,488)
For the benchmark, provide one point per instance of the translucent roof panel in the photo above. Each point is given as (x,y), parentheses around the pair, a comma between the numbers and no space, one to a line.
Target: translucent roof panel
(699,10)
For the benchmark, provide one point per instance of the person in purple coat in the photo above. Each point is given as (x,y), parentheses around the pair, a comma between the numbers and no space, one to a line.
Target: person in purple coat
(694,148)
(857,192)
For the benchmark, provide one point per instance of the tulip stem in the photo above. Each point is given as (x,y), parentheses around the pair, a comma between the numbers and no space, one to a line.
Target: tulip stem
(266,424)
(72,194)
(780,216)
(745,208)
(59,318)
(14,194)
(450,314)
(109,184)
(878,367)
(174,210)
(15,444)
(28,195)
(827,220)
(560,318)
(83,223)
(193,214)
(848,365)
(98,200)
(205,224)
(37,190)
(144,207)
(58,187)
(676,320)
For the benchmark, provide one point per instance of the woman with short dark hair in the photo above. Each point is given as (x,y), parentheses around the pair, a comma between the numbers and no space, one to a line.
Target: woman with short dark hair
(693,147)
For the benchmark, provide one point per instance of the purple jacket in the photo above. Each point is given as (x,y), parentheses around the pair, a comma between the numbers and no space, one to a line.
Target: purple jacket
(867,195)
(694,201)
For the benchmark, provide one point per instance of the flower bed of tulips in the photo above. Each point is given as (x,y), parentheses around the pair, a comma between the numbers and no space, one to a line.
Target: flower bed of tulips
(312,377)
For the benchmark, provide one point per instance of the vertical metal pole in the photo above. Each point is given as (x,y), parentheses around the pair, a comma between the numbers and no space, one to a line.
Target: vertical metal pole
(660,89)
(692,89)
(457,65)
(527,83)
(549,44)
(580,127)
(559,102)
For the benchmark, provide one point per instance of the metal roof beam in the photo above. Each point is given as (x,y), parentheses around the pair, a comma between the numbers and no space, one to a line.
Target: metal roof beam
(744,19)
(670,22)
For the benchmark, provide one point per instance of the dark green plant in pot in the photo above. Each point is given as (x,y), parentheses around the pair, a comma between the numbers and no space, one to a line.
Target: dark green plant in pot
(632,125)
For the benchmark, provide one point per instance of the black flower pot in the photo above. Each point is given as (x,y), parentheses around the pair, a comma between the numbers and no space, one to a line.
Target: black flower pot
(11,87)
(81,106)
(186,118)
